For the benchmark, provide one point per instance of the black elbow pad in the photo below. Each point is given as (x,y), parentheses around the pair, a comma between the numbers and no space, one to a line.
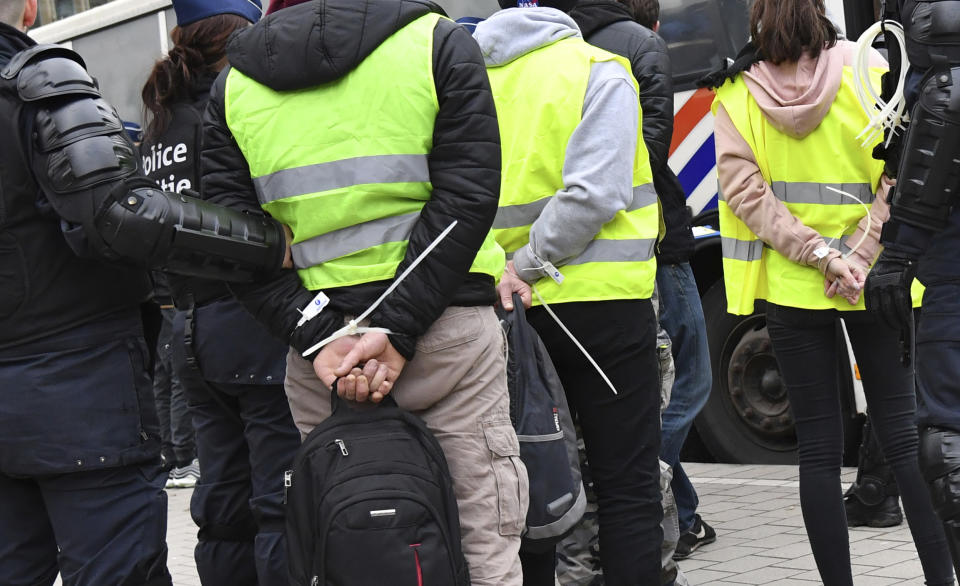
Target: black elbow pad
(78,138)
(189,236)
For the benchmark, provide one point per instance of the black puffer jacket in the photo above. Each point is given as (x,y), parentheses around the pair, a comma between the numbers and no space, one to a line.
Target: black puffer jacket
(320,41)
(608,24)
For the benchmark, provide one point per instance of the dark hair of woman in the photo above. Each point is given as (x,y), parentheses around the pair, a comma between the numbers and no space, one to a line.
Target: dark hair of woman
(784,30)
(199,47)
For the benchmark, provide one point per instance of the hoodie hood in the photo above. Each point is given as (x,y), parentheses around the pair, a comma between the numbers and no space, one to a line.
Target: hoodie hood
(514,32)
(319,41)
(593,15)
(795,97)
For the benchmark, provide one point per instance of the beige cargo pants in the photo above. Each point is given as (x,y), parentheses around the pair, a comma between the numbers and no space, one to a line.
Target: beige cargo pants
(457,384)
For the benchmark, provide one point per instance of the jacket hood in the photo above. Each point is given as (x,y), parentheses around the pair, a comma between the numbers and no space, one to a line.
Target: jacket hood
(593,15)
(514,32)
(319,41)
(795,97)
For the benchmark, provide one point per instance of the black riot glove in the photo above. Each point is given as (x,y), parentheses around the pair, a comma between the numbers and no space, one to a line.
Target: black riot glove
(887,295)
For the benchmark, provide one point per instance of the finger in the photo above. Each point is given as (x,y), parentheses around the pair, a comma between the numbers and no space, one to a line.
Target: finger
(349,386)
(830,288)
(379,376)
(370,368)
(854,299)
(363,389)
(527,297)
(351,359)
(506,295)
(382,392)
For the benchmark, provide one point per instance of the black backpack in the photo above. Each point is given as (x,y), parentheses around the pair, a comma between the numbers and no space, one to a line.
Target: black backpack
(548,439)
(370,501)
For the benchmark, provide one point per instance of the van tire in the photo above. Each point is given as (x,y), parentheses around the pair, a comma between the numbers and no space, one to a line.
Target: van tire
(747,417)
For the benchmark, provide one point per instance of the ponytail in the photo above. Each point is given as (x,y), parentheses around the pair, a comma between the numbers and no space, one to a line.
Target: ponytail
(199,47)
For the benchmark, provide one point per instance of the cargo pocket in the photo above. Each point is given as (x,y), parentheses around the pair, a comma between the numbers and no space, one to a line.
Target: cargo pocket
(513,488)
(456,326)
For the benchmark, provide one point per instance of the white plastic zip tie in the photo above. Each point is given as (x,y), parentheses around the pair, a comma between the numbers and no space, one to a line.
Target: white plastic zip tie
(352,328)
(882,115)
(573,338)
(866,232)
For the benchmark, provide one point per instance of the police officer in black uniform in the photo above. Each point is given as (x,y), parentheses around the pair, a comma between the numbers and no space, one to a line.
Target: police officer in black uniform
(922,239)
(81,489)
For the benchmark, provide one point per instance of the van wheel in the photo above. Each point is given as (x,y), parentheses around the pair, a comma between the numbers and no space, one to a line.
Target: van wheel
(747,418)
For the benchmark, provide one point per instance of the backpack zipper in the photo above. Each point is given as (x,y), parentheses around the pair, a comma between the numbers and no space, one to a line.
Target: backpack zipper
(287,483)
(342,446)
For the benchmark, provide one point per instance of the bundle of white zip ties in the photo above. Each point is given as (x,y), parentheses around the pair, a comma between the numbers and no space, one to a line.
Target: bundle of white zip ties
(883,115)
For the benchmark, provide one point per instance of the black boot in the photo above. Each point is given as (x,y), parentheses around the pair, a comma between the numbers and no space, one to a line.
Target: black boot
(873,499)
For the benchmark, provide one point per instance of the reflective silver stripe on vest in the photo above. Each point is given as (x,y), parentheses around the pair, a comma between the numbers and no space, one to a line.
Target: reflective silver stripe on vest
(796,192)
(635,250)
(746,250)
(842,244)
(524,214)
(352,239)
(749,250)
(340,174)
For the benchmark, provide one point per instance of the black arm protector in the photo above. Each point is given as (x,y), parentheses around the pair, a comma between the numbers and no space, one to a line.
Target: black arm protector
(929,175)
(87,169)
(187,235)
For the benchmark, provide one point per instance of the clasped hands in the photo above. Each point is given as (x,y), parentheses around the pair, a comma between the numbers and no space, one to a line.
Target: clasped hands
(367,366)
(844,277)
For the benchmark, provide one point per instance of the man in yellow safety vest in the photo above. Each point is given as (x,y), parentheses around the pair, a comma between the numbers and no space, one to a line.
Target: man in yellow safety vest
(579,220)
(370,129)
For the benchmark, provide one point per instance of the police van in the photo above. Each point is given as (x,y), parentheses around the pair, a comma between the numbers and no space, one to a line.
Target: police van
(747,419)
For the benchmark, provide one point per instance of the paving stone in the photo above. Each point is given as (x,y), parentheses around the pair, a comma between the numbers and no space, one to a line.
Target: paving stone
(745,564)
(884,558)
(766,575)
(805,562)
(705,576)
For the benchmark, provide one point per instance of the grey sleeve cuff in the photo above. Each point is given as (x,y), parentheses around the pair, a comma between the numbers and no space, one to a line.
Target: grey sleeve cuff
(527,265)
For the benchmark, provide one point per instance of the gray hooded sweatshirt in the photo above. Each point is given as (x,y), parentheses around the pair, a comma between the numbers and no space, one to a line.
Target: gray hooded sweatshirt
(598,170)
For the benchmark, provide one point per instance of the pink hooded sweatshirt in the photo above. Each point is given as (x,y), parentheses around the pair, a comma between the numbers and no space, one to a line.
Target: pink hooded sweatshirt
(795,98)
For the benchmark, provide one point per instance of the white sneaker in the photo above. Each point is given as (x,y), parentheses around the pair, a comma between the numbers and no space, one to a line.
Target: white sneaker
(185,476)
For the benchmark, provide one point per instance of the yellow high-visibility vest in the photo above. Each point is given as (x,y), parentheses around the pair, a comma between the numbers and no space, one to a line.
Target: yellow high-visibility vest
(344,164)
(540,98)
(800,172)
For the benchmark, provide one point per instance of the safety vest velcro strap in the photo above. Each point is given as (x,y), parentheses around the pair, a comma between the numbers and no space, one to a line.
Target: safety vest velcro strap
(630,250)
(341,174)
(517,216)
(745,250)
(331,245)
(818,193)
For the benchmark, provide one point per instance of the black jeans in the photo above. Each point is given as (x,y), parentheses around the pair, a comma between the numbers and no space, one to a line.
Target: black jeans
(621,432)
(807,348)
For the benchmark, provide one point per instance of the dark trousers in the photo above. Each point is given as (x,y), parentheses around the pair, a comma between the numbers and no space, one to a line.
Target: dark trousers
(681,315)
(246,440)
(938,356)
(80,479)
(176,430)
(621,432)
(104,526)
(806,345)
